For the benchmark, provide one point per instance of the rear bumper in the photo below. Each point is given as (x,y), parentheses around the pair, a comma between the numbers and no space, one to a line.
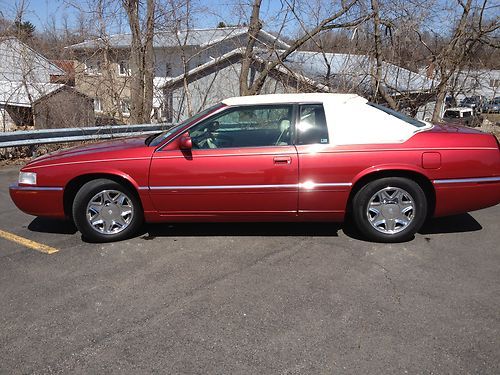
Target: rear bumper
(463,195)
(38,200)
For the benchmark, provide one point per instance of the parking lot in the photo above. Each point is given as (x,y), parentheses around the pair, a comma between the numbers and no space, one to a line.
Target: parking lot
(248,298)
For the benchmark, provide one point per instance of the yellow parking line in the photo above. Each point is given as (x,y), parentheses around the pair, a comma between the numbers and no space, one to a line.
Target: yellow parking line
(28,243)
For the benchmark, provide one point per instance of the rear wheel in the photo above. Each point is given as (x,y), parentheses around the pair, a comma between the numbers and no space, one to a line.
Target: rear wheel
(104,210)
(389,209)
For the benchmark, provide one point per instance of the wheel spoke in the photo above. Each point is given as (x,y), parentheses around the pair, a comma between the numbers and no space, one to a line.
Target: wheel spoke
(97,222)
(404,221)
(374,213)
(107,196)
(95,208)
(390,224)
(406,211)
(383,195)
(108,225)
(120,220)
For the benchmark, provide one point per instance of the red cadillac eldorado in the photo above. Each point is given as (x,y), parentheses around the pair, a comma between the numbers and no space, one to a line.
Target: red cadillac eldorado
(290,157)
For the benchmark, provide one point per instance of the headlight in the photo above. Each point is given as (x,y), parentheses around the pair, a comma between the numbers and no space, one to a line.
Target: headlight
(28,178)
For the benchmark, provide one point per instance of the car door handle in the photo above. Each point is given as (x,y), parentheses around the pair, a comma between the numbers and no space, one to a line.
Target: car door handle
(282,160)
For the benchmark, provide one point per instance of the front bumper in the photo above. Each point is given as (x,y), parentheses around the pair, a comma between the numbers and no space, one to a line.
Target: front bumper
(44,201)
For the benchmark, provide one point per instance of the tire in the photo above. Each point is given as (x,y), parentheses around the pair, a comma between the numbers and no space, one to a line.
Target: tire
(121,218)
(390,209)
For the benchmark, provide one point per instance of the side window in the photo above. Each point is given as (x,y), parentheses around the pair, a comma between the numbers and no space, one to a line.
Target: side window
(245,127)
(311,125)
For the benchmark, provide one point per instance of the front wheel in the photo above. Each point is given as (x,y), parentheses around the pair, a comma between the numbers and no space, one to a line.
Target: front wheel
(104,210)
(389,209)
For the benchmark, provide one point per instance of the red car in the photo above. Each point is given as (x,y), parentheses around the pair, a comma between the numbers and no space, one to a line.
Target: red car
(291,157)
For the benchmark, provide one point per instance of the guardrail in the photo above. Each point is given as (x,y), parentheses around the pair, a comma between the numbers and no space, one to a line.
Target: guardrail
(45,136)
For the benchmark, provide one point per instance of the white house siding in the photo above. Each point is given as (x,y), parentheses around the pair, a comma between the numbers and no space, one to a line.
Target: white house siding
(215,87)
(6,122)
(478,82)
(195,55)
(18,62)
(172,58)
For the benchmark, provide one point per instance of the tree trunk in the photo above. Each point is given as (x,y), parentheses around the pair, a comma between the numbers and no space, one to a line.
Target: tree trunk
(253,31)
(136,63)
(254,28)
(141,61)
(451,57)
(149,63)
(378,87)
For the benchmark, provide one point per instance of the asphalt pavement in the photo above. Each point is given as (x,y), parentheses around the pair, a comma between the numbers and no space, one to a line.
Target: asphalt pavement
(249,299)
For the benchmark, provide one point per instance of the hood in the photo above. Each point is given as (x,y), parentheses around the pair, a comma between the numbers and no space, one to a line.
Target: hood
(89,151)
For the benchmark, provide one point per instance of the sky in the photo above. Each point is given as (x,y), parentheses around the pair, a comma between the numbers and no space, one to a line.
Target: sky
(41,12)
(38,12)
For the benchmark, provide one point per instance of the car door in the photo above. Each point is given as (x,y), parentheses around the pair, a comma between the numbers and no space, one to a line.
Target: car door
(242,164)
(323,189)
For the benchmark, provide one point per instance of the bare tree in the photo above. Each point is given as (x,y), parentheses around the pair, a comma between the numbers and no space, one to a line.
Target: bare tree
(379,88)
(141,58)
(339,19)
(471,30)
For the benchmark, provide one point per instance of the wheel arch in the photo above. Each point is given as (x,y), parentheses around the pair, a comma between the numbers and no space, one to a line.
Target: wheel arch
(418,177)
(77,182)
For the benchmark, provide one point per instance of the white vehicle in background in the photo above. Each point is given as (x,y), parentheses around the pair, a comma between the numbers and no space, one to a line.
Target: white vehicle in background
(461,115)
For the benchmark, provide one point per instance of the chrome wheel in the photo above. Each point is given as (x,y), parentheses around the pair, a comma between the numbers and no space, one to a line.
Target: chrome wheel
(390,210)
(110,212)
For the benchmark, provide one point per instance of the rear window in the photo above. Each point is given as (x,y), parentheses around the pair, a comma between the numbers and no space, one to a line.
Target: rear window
(311,127)
(452,114)
(399,115)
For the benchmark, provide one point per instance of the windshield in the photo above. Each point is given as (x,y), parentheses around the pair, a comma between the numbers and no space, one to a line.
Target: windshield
(399,115)
(162,136)
(452,114)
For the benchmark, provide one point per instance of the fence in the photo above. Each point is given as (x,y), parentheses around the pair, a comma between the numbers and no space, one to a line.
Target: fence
(45,136)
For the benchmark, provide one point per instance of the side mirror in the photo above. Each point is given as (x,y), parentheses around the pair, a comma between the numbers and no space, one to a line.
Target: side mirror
(185,142)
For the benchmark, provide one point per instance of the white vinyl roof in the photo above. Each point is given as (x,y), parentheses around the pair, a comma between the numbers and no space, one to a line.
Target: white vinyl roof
(293,98)
(349,118)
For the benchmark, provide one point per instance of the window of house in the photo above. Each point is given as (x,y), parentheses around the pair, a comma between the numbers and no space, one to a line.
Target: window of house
(125,106)
(124,68)
(97,105)
(311,125)
(93,67)
(252,126)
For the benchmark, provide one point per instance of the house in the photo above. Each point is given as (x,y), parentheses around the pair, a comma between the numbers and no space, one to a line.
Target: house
(43,105)
(28,96)
(302,71)
(103,71)
(68,67)
(484,83)
(20,63)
